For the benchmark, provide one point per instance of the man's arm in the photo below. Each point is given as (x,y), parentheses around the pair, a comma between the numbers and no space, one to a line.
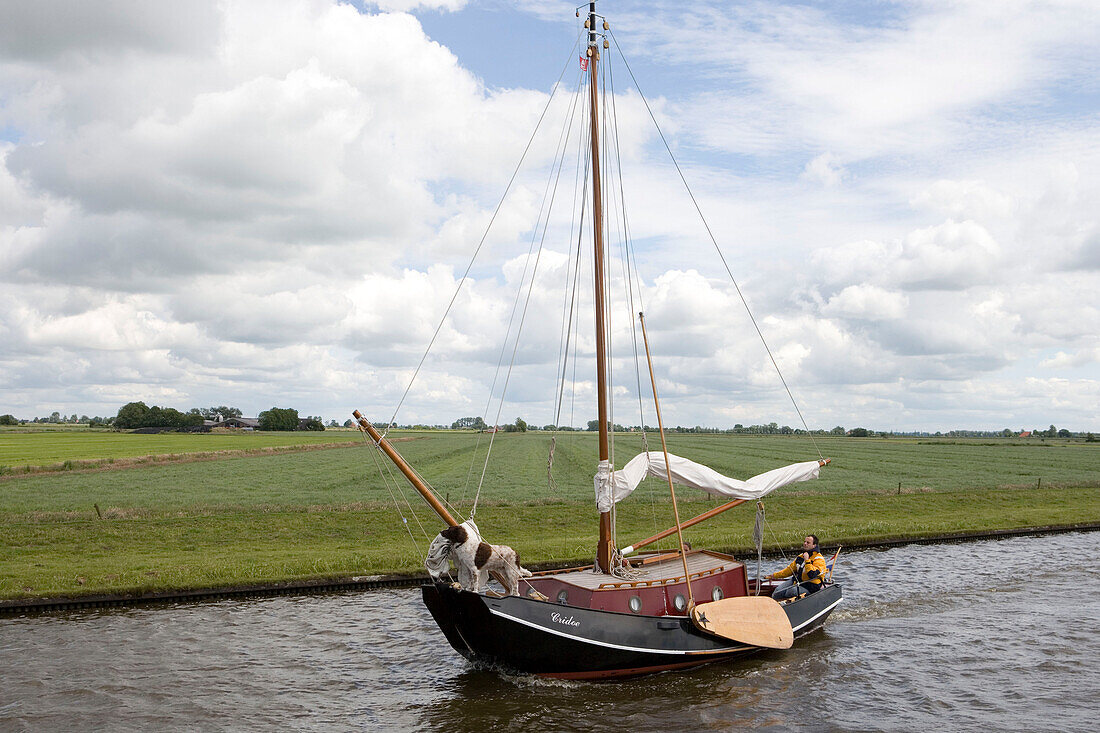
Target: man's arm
(784,573)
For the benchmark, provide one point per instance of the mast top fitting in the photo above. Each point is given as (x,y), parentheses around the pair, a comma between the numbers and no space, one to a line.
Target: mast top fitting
(590,24)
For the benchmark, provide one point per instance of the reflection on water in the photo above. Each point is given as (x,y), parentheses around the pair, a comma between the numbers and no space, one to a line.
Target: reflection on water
(969,636)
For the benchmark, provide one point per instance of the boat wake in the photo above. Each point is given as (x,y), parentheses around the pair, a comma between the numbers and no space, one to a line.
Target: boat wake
(896,608)
(516,677)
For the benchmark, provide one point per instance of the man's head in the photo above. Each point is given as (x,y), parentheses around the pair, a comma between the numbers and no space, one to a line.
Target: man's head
(810,543)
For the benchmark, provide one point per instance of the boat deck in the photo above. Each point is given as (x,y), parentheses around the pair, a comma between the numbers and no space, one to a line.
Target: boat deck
(701,563)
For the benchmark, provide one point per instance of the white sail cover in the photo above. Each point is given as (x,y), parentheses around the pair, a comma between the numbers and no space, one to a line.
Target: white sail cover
(614,486)
(439,552)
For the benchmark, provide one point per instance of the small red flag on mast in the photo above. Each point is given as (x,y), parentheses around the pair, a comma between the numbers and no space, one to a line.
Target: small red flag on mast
(584,63)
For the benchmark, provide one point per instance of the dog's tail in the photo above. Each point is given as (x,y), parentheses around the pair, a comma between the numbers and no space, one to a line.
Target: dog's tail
(523,572)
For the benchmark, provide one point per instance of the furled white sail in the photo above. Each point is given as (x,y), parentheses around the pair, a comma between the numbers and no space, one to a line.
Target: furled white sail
(614,486)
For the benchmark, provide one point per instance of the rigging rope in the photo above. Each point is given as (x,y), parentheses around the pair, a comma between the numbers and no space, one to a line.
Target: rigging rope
(549,206)
(405,497)
(627,259)
(570,320)
(718,249)
(481,243)
(631,277)
(396,503)
(545,207)
(564,360)
(569,297)
(605,290)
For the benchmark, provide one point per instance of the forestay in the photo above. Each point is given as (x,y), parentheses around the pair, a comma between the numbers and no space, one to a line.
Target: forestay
(614,486)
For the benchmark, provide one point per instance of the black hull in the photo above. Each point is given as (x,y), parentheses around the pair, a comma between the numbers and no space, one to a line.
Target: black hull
(554,640)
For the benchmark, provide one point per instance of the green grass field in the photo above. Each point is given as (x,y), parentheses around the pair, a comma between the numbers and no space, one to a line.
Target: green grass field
(43,447)
(241,518)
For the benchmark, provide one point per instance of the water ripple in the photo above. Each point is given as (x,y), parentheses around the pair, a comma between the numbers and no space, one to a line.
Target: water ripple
(972,636)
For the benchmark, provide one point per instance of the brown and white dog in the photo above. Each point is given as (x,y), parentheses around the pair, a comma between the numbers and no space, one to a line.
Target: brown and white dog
(475,559)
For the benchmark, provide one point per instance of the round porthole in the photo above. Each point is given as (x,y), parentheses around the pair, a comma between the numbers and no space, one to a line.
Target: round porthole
(635,604)
(563,597)
(716,594)
(680,602)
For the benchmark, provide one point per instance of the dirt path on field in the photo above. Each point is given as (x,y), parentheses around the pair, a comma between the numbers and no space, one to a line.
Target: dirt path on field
(95,465)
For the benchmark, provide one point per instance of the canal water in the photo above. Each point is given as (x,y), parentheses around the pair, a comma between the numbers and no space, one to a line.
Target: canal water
(974,636)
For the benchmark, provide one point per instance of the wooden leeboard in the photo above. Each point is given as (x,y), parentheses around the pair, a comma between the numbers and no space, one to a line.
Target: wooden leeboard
(756,620)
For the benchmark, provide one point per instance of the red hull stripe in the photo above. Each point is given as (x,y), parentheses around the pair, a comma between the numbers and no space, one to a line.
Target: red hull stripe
(630,672)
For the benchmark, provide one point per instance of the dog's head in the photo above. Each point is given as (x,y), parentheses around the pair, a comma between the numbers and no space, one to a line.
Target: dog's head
(456,534)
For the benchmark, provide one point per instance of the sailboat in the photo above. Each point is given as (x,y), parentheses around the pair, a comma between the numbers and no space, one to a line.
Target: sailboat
(633,611)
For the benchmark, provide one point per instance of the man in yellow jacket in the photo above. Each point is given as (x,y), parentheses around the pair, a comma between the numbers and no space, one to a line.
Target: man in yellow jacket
(808,570)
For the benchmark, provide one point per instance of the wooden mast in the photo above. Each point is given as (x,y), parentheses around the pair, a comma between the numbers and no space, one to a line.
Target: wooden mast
(405,468)
(605,549)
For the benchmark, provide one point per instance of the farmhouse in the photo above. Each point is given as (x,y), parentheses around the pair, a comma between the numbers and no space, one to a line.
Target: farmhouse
(242,423)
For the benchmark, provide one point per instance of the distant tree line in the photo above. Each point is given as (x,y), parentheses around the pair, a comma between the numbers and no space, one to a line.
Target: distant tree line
(469,423)
(134,415)
(222,412)
(55,418)
(478,423)
(1051,432)
(286,418)
(738,429)
(139,415)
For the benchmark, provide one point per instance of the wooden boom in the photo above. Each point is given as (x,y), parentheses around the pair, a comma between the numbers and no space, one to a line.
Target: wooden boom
(688,523)
(405,468)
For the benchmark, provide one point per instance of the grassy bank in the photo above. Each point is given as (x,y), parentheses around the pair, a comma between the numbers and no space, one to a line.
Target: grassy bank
(248,519)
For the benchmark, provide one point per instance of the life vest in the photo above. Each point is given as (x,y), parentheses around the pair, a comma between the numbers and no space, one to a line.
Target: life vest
(815,566)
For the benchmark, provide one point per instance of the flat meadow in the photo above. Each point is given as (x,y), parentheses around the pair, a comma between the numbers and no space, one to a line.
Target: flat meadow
(36,449)
(151,512)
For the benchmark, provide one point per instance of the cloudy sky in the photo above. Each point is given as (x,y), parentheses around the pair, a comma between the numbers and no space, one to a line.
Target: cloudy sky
(271,204)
